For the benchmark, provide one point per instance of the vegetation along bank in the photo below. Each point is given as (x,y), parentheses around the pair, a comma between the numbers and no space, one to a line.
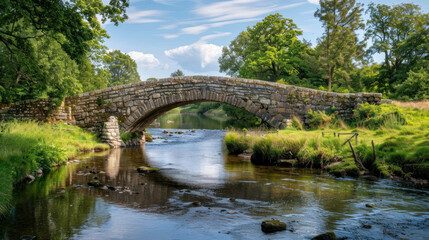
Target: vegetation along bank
(30,148)
(386,140)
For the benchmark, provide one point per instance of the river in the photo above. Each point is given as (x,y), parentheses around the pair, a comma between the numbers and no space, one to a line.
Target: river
(202,193)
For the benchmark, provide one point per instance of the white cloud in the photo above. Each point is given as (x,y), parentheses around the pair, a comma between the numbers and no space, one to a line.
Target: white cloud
(216,35)
(314,1)
(144,60)
(239,9)
(146,16)
(170,36)
(196,57)
(202,28)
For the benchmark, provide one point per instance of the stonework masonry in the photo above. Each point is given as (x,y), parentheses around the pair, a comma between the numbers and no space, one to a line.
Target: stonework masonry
(136,105)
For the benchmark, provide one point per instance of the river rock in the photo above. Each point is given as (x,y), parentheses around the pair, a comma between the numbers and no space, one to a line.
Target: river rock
(148,138)
(95,183)
(165,132)
(370,205)
(196,203)
(269,226)
(325,236)
(144,169)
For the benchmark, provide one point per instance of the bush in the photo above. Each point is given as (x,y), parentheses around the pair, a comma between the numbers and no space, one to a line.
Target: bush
(376,116)
(319,119)
(415,87)
(265,152)
(235,144)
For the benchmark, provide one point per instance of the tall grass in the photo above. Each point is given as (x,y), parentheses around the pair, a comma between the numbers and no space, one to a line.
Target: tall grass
(28,146)
(400,137)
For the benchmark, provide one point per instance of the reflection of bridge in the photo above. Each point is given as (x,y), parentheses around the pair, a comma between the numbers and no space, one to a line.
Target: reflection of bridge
(137,105)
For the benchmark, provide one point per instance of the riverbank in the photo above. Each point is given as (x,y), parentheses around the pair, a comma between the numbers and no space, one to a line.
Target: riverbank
(26,147)
(400,137)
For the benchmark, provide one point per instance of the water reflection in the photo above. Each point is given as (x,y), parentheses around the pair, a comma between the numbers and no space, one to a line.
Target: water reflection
(194,168)
(113,162)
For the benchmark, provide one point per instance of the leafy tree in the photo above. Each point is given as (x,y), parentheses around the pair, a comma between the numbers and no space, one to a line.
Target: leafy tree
(339,45)
(400,33)
(416,86)
(122,68)
(92,77)
(177,73)
(270,50)
(233,56)
(68,30)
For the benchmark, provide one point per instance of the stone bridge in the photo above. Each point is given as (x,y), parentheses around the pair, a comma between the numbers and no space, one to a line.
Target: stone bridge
(136,105)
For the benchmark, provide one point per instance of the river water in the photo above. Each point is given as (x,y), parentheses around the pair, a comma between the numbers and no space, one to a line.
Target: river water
(201,193)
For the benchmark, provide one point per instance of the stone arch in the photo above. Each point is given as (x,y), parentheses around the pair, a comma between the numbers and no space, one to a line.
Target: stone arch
(151,110)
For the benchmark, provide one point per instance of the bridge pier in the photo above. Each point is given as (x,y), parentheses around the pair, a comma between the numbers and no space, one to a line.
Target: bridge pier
(110,133)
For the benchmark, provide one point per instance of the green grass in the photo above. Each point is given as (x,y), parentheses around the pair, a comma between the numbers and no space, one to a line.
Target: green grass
(28,146)
(400,137)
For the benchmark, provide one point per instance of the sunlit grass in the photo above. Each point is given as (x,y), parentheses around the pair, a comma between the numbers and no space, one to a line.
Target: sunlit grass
(28,146)
(400,135)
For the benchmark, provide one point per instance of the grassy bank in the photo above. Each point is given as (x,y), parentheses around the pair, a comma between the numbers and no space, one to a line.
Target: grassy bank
(28,146)
(400,135)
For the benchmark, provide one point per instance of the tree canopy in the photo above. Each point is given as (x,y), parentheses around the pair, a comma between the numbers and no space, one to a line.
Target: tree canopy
(122,68)
(52,48)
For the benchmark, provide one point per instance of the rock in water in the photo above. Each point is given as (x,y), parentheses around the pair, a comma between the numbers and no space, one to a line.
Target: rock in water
(148,138)
(95,183)
(325,236)
(144,169)
(370,205)
(269,226)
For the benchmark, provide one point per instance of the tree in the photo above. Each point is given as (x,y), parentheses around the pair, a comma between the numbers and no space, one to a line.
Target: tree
(270,50)
(416,86)
(339,45)
(122,68)
(400,33)
(233,56)
(177,73)
(69,31)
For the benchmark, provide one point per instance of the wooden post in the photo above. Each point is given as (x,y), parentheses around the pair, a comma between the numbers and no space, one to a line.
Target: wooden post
(354,155)
(356,138)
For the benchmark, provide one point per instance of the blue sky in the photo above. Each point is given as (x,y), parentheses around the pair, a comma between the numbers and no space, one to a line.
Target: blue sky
(166,35)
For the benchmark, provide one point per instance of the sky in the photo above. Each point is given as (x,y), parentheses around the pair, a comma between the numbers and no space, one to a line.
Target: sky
(165,35)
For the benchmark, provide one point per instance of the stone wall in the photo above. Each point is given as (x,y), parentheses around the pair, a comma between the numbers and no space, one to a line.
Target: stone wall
(37,109)
(137,105)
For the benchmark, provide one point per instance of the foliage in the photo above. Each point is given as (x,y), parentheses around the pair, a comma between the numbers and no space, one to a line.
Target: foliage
(270,50)
(375,117)
(122,68)
(400,33)
(241,118)
(339,46)
(177,73)
(28,146)
(415,87)
(37,37)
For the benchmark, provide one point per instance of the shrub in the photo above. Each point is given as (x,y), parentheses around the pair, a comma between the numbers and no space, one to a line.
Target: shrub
(235,144)
(319,119)
(376,116)
(265,152)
